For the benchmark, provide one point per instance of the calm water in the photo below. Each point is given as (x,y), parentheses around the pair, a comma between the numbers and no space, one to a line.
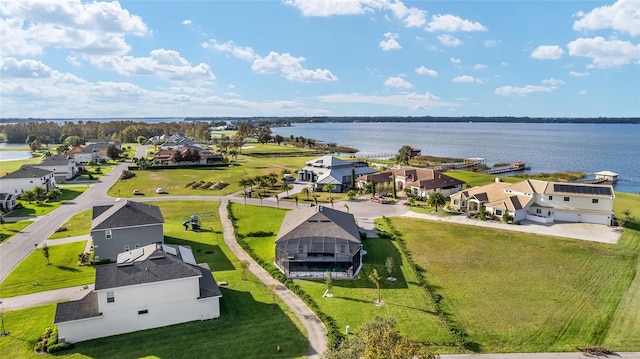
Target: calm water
(9,155)
(586,148)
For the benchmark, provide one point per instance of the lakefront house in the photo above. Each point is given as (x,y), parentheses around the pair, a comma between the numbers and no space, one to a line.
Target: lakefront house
(540,201)
(419,181)
(340,174)
(149,287)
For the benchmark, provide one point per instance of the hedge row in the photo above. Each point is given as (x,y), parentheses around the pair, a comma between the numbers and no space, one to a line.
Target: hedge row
(457,333)
(333,332)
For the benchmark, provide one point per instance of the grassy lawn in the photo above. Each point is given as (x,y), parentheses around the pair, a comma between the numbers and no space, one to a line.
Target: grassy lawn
(39,209)
(246,309)
(473,179)
(352,302)
(258,148)
(77,225)
(9,229)
(514,292)
(63,271)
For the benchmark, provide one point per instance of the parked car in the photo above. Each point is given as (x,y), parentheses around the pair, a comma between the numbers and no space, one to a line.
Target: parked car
(380,199)
(136,192)
(159,190)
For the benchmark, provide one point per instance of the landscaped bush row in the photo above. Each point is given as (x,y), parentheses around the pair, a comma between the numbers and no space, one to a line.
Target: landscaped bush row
(333,332)
(206,185)
(47,343)
(457,333)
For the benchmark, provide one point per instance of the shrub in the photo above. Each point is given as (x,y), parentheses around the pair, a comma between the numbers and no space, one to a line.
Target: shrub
(189,184)
(61,229)
(126,174)
(260,234)
(53,348)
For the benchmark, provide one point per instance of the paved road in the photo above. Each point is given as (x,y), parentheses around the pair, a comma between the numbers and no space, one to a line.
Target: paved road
(48,297)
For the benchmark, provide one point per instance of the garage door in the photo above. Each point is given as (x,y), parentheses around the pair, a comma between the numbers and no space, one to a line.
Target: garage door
(565,216)
(597,218)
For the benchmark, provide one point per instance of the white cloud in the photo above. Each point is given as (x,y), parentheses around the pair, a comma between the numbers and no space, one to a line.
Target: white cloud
(74,60)
(578,74)
(285,64)
(549,85)
(466,79)
(398,82)
(412,100)
(547,52)
(448,40)
(605,53)
(13,68)
(425,71)
(410,16)
(582,92)
(490,43)
(390,43)
(623,15)
(91,28)
(186,22)
(454,60)
(452,23)
(290,67)
(479,66)
(167,64)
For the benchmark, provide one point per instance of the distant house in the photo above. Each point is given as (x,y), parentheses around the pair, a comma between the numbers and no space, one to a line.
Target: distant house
(334,171)
(124,226)
(540,201)
(63,166)
(414,151)
(420,181)
(150,287)
(315,240)
(26,178)
(92,152)
(167,157)
(7,201)
(606,176)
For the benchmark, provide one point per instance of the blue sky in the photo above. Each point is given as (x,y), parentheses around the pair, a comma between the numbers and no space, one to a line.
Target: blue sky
(64,59)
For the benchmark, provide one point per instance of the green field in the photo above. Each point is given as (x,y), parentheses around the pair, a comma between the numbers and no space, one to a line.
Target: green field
(63,271)
(9,229)
(473,179)
(40,209)
(12,166)
(77,225)
(353,300)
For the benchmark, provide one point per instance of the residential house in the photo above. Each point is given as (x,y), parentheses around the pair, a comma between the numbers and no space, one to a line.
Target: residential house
(26,178)
(331,170)
(7,201)
(124,226)
(149,287)
(420,181)
(167,157)
(315,240)
(541,201)
(63,166)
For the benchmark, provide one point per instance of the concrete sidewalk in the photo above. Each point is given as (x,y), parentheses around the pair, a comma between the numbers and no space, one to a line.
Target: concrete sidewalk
(316,330)
(48,297)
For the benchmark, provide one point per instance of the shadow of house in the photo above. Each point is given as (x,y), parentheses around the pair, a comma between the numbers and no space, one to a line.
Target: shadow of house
(315,240)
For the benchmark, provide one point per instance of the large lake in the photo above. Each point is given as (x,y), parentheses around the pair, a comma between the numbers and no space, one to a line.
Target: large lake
(587,148)
(10,155)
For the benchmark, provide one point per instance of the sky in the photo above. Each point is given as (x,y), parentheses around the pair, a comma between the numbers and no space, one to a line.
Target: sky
(128,59)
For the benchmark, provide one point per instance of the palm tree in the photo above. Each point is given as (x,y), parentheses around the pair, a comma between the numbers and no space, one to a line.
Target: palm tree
(375,278)
(436,199)
(46,154)
(54,194)
(331,201)
(39,191)
(28,196)
(296,198)
(305,191)
(234,154)
(347,207)
(328,188)
(404,154)
(285,186)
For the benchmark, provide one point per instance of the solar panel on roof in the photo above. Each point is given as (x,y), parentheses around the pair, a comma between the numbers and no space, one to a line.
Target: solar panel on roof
(127,258)
(136,253)
(571,188)
(187,255)
(169,249)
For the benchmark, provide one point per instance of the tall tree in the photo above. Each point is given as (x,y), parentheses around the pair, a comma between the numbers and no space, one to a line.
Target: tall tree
(306,192)
(436,199)
(286,187)
(113,152)
(28,196)
(328,188)
(404,155)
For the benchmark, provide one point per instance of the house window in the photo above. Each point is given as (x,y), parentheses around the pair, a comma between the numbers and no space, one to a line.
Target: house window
(463,203)
(136,246)
(107,234)
(140,312)
(455,202)
(126,248)
(595,200)
(550,198)
(498,212)
(538,210)
(566,199)
(110,297)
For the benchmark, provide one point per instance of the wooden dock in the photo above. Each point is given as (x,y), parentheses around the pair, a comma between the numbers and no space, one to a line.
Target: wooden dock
(514,167)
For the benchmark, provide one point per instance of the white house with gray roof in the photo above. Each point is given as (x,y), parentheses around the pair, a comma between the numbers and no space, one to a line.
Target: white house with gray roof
(63,166)
(124,226)
(26,178)
(315,240)
(331,170)
(150,287)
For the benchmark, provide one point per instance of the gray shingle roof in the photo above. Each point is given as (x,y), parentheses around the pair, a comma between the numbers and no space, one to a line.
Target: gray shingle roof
(156,266)
(125,214)
(318,221)
(26,171)
(208,286)
(55,160)
(86,307)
